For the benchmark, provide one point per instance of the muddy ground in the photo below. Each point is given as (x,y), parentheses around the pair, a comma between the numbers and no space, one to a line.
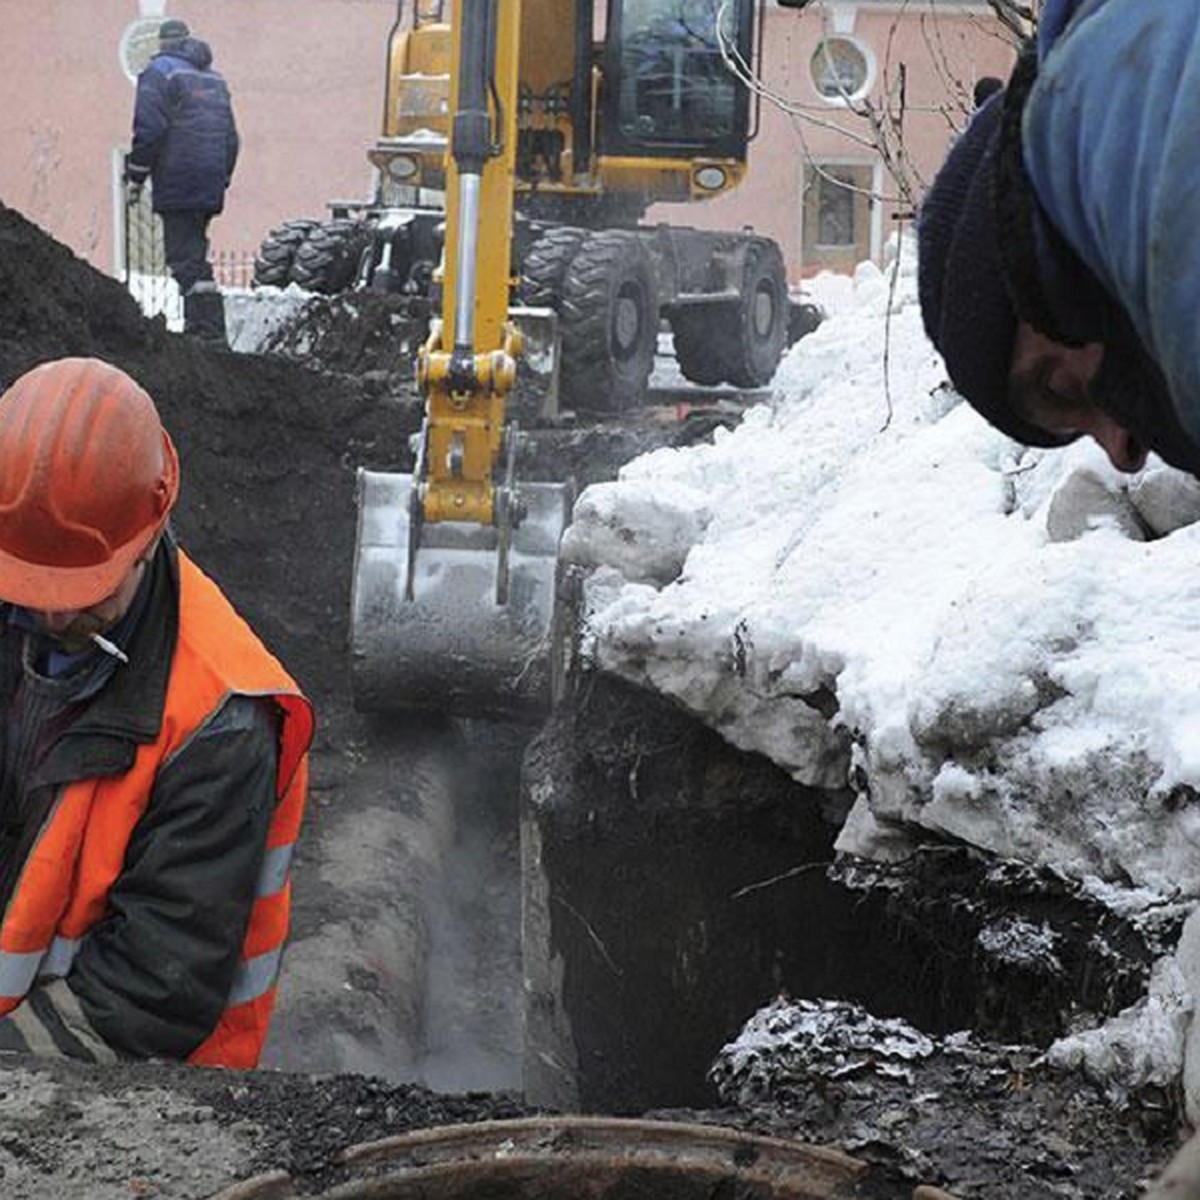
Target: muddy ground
(269,447)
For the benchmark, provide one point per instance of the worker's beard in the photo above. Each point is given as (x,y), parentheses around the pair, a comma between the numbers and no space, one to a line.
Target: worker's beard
(1131,388)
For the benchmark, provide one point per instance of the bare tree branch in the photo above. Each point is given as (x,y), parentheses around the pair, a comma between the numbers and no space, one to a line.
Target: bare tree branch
(1020,19)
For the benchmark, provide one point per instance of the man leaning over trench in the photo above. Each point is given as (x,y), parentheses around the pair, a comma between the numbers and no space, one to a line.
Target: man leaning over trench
(1059,260)
(154,762)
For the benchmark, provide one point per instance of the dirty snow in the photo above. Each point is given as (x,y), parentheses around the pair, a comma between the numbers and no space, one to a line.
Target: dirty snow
(252,315)
(1009,636)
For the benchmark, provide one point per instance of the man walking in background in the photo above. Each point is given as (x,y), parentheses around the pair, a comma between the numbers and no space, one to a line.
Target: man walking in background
(185,142)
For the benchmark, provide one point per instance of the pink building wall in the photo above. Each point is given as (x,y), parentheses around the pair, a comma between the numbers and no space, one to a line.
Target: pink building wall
(307,84)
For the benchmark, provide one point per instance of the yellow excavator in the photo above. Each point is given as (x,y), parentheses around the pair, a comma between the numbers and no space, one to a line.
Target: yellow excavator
(545,144)
(618,105)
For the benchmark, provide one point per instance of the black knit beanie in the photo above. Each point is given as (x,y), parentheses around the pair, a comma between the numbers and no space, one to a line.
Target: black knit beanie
(965,302)
(173,30)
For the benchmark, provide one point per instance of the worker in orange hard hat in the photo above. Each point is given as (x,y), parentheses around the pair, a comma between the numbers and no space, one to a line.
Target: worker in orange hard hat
(153,767)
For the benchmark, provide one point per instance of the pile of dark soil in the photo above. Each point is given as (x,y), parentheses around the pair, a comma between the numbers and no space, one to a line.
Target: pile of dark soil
(268,448)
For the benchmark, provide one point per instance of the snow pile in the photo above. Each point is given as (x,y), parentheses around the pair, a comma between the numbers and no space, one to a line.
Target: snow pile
(869,585)
(157,295)
(1142,1046)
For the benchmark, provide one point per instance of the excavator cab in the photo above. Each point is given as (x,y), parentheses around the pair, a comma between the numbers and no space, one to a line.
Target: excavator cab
(670,87)
(627,101)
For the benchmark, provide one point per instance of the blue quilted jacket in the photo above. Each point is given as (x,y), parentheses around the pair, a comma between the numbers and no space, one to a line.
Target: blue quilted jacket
(184,134)
(1111,139)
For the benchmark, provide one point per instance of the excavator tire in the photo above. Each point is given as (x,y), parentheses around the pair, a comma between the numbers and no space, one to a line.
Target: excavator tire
(752,344)
(327,261)
(608,319)
(546,264)
(273,263)
(697,335)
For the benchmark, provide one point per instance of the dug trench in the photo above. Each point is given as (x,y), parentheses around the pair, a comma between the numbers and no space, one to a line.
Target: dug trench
(493,922)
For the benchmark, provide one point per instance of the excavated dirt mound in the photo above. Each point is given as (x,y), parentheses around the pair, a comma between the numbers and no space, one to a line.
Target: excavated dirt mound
(268,448)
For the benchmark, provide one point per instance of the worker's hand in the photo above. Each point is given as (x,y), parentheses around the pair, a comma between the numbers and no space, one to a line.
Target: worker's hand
(135,179)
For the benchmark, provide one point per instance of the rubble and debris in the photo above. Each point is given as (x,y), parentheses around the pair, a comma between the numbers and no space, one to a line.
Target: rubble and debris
(884,1091)
(811,1044)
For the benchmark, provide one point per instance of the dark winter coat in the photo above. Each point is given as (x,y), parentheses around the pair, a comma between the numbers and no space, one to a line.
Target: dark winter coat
(1109,136)
(184,134)
(151,978)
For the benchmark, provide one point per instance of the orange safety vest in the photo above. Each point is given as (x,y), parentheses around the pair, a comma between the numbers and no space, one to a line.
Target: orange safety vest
(63,887)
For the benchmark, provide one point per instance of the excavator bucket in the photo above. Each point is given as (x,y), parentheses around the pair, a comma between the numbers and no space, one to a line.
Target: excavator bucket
(455,616)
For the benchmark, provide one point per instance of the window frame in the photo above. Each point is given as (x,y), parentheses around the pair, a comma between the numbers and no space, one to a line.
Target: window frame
(844,99)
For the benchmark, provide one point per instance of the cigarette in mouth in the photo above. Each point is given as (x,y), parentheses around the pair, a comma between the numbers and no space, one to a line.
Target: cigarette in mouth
(110,648)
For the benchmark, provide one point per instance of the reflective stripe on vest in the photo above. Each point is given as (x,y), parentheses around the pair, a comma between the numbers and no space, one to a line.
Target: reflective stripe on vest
(64,883)
(255,977)
(18,971)
(276,870)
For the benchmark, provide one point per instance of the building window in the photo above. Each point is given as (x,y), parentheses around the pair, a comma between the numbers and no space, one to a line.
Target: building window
(841,69)
(835,207)
(838,208)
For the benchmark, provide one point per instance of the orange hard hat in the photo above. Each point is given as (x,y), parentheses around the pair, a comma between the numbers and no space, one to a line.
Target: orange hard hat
(88,477)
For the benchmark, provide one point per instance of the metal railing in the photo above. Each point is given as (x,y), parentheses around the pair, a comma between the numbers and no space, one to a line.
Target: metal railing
(146,274)
(233,268)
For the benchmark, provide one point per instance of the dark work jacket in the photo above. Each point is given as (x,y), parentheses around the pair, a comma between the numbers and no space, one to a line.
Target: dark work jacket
(184,134)
(151,978)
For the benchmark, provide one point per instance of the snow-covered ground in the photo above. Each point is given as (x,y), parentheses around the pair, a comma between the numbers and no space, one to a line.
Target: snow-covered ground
(872,587)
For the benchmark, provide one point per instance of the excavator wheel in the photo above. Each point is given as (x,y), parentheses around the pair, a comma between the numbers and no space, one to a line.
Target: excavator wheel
(696,332)
(273,263)
(753,342)
(608,320)
(546,264)
(328,259)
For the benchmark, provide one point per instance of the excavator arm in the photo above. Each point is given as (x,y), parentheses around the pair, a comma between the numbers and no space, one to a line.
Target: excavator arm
(467,367)
(454,582)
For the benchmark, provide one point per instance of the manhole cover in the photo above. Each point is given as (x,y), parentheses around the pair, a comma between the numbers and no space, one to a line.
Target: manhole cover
(589,1158)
